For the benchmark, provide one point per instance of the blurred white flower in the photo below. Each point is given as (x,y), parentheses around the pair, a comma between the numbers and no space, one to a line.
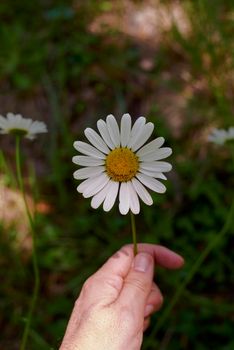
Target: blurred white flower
(117,162)
(17,125)
(220,136)
(231,133)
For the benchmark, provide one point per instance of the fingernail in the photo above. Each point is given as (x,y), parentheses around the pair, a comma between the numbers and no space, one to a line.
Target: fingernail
(142,262)
(148,310)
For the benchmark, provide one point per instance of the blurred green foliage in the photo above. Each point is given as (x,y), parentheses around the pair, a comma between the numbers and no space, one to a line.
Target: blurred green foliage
(54,66)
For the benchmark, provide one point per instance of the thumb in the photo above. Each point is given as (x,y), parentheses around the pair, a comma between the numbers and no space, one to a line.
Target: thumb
(138,283)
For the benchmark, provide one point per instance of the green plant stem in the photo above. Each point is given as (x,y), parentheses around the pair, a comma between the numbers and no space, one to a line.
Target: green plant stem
(134,237)
(6,169)
(34,253)
(193,270)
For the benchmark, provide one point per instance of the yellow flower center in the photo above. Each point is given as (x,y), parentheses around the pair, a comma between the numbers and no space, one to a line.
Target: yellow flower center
(122,164)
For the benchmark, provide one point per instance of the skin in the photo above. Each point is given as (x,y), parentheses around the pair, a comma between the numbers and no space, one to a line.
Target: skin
(115,303)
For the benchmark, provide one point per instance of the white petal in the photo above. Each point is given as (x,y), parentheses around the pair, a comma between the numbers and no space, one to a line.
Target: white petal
(85,184)
(87,149)
(37,127)
(126,123)
(134,201)
(151,146)
(142,192)
(10,116)
(15,118)
(102,127)
(30,136)
(12,119)
(231,132)
(156,166)
(88,172)
(87,161)
(111,196)
(136,131)
(113,129)
(20,122)
(92,182)
(124,200)
(34,126)
(100,196)
(151,183)
(96,140)
(143,136)
(157,154)
(154,174)
(217,140)
(3,122)
(97,185)
(218,136)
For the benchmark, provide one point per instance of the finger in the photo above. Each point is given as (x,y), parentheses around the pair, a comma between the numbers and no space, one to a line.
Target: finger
(146,323)
(154,301)
(137,284)
(121,261)
(162,255)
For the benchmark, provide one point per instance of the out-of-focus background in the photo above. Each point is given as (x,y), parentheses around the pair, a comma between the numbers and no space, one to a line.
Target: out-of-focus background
(70,63)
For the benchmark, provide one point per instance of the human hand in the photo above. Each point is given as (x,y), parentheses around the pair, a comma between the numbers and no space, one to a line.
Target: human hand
(113,308)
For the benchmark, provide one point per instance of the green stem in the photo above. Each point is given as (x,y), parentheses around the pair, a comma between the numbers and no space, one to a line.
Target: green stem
(6,169)
(192,272)
(134,238)
(34,253)
(20,181)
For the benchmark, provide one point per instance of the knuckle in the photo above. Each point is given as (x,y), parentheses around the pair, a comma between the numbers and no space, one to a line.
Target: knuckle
(94,283)
(87,286)
(137,284)
(126,250)
(126,316)
(129,321)
(114,282)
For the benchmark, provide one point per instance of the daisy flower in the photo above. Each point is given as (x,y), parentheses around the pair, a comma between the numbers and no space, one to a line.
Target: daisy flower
(116,162)
(221,136)
(17,125)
